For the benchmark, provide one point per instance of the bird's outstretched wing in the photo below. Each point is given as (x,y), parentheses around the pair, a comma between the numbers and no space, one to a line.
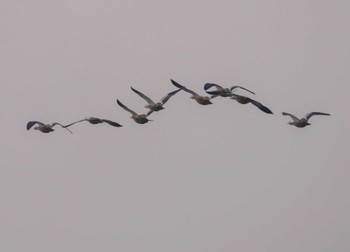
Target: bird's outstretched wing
(309,115)
(65,127)
(183,88)
(169,95)
(148,113)
(126,108)
(148,100)
(234,87)
(260,106)
(294,118)
(68,125)
(209,85)
(214,93)
(30,124)
(115,124)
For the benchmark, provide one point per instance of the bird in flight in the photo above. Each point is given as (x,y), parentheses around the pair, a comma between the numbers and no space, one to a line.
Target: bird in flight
(45,128)
(244,100)
(138,118)
(95,120)
(155,106)
(203,100)
(302,122)
(220,91)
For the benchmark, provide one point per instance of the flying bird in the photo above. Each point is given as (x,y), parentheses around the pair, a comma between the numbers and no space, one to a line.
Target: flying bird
(220,91)
(301,123)
(151,104)
(95,120)
(45,128)
(138,118)
(244,100)
(203,100)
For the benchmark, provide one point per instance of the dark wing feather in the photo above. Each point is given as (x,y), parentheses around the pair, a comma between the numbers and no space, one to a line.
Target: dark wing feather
(309,115)
(169,95)
(213,94)
(234,87)
(261,107)
(148,100)
(68,125)
(125,107)
(65,127)
(31,123)
(115,124)
(216,93)
(294,118)
(209,85)
(149,112)
(183,88)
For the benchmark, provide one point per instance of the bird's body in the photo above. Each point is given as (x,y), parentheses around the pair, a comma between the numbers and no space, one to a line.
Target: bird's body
(95,120)
(302,122)
(44,128)
(203,100)
(155,106)
(244,100)
(138,118)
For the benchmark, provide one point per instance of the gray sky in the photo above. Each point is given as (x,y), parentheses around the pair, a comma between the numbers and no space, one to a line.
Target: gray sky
(224,177)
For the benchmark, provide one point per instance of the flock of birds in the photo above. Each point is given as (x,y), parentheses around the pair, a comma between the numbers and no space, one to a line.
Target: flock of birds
(214,90)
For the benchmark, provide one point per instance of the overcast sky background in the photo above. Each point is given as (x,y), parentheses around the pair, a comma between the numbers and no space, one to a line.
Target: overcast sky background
(224,177)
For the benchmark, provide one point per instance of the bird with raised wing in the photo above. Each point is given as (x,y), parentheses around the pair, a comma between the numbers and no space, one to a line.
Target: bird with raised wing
(221,91)
(138,118)
(302,122)
(155,106)
(44,128)
(203,100)
(244,100)
(95,120)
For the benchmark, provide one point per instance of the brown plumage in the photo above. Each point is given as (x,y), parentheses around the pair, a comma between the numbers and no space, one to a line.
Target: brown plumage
(155,106)
(44,128)
(203,100)
(138,118)
(302,122)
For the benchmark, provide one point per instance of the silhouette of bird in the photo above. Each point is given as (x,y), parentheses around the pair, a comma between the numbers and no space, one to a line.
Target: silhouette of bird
(220,91)
(45,128)
(151,104)
(138,118)
(95,120)
(203,100)
(244,100)
(301,123)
